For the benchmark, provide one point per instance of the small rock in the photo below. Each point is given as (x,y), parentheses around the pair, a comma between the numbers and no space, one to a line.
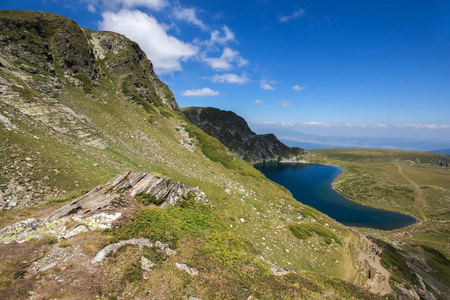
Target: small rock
(242,220)
(147,264)
(28,159)
(13,202)
(189,270)
(165,248)
(63,268)
(13,155)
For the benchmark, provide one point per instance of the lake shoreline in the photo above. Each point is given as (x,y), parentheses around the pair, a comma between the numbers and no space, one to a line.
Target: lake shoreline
(355,205)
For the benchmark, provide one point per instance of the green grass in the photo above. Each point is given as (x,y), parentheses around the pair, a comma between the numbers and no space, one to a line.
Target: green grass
(226,261)
(217,152)
(147,199)
(66,197)
(10,273)
(395,262)
(171,224)
(305,230)
(438,261)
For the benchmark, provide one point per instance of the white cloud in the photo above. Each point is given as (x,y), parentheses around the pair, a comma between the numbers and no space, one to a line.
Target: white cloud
(227,36)
(266,86)
(257,101)
(189,15)
(128,4)
(91,8)
(423,126)
(163,50)
(230,78)
(298,88)
(296,14)
(356,125)
(204,92)
(284,103)
(226,60)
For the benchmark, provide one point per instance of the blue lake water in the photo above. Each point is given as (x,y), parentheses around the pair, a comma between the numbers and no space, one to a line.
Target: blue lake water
(312,185)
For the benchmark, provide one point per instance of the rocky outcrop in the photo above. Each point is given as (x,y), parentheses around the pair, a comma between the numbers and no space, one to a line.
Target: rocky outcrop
(129,185)
(233,131)
(42,53)
(90,211)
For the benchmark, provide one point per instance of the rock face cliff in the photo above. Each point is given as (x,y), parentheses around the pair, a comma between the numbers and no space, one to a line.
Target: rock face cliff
(42,53)
(233,131)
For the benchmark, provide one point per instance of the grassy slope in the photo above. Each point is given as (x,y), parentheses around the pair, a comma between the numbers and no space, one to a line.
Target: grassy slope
(150,139)
(238,190)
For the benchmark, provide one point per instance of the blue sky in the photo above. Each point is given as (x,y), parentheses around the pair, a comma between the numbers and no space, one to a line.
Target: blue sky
(327,68)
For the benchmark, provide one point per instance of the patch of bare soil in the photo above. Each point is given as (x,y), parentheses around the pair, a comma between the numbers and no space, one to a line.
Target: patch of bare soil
(62,270)
(379,283)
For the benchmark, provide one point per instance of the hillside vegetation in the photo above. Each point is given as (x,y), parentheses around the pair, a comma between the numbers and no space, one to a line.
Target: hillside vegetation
(78,107)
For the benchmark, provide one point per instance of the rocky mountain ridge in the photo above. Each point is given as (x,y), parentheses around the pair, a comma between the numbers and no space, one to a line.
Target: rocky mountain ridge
(44,52)
(234,132)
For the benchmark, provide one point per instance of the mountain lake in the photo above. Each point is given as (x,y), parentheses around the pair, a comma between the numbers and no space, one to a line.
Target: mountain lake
(312,185)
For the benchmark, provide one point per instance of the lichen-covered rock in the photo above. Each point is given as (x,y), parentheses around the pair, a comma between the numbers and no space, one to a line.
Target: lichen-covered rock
(36,229)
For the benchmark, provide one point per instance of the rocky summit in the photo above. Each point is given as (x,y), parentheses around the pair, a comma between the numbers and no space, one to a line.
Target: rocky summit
(233,131)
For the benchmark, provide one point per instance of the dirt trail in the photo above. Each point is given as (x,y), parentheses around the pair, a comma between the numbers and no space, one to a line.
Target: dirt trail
(417,191)
(379,283)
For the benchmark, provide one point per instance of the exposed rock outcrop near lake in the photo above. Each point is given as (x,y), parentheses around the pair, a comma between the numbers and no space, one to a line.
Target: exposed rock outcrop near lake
(128,185)
(234,132)
(98,208)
